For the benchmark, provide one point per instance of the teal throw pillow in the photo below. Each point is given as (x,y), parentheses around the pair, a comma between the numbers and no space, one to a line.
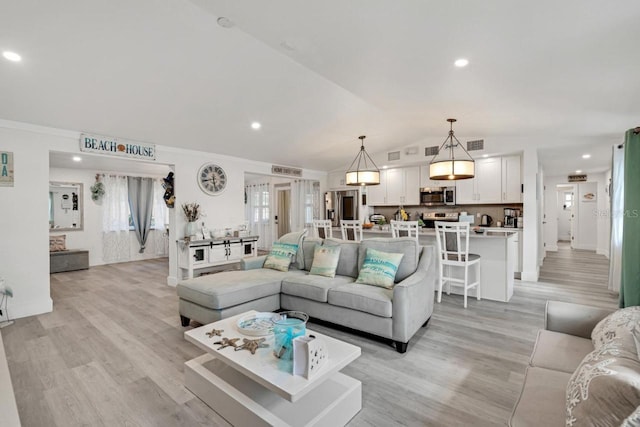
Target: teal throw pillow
(280,256)
(379,268)
(325,260)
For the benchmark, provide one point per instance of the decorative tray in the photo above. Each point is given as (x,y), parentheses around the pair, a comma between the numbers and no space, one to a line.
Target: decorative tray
(258,324)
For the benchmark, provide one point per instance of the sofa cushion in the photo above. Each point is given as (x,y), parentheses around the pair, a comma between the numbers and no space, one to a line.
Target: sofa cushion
(369,299)
(542,399)
(325,261)
(605,389)
(407,246)
(379,268)
(312,287)
(280,256)
(230,288)
(308,246)
(558,351)
(296,238)
(622,327)
(348,262)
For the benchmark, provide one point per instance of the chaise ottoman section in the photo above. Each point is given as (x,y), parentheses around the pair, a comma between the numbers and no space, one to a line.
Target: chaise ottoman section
(216,296)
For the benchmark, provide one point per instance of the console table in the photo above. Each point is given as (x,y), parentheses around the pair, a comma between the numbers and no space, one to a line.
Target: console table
(205,253)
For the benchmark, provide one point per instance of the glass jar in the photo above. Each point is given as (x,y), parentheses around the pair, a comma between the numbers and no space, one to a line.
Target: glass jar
(287,325)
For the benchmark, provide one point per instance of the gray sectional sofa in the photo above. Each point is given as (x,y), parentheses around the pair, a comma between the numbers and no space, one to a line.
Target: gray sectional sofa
(595,363)
(395,314)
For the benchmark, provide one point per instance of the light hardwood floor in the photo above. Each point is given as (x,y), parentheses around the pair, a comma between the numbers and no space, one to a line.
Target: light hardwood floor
(112,352)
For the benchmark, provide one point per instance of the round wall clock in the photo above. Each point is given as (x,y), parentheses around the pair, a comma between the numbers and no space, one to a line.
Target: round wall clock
(212,179)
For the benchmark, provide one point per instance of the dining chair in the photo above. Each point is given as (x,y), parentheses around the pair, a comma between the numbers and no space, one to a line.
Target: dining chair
(405,229)
(453,253)
(351,229)
(322,228)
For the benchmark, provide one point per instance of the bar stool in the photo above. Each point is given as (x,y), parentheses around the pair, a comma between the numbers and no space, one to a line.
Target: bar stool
(404,229)
(322,228)
(453,252)
(351,229)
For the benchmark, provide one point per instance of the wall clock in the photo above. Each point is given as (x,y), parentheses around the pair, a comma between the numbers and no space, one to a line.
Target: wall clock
(212,179)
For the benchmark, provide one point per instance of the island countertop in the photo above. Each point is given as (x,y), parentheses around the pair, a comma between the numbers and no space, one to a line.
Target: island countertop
(488,234)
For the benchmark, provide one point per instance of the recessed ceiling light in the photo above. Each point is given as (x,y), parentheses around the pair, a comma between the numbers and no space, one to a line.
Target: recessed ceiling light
(77,158)
(462,62)
(485,155)
(586,156)
(385,167)
(579,171)
(256,125)
(11,56)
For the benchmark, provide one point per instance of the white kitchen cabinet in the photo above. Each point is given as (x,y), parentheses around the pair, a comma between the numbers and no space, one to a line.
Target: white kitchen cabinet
(398,186)
(429,183)
(496,180)
(511,180)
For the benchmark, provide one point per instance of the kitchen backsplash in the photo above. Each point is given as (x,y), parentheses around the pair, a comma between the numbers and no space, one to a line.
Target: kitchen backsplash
(495,211)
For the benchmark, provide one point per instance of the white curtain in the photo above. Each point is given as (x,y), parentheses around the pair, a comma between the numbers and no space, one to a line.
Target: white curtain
(159,237)
(617,218)
(258,213)
(115,219)
(305,204)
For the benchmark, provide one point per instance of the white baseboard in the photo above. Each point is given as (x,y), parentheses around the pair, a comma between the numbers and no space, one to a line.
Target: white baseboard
(552,248)
(172,281)
(17,311)
(530,276)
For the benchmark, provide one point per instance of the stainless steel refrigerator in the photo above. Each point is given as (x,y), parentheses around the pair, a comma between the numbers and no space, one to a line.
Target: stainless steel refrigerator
(341,205)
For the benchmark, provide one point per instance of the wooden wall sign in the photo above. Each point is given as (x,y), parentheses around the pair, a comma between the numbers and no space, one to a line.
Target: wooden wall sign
(577,178)
(6,169)
(117,147)
(285,170)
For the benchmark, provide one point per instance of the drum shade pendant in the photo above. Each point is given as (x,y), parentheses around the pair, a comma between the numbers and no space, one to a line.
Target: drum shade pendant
(363,170)
(445,165)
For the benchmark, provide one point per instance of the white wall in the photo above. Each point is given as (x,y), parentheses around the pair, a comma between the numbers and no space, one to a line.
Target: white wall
(24,224)
(90,237)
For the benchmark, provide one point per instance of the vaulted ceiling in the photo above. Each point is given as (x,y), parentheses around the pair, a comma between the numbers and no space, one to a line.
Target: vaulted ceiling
(562,76)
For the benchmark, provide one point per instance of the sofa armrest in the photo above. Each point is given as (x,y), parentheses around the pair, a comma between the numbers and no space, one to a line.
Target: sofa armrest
(252,263)
(573,319)
(413,297)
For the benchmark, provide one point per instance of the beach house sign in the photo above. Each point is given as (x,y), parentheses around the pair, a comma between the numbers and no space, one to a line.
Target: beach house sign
(117,147)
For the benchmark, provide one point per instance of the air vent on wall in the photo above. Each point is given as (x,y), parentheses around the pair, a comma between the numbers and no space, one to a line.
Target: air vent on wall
(431,151)
(478,144)
(393,155)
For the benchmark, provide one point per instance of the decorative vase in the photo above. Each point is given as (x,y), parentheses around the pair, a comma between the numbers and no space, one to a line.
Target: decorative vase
(191,229)
(287,325)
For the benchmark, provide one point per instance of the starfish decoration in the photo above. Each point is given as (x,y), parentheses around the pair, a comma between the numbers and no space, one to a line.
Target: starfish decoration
(252,345)
(215,332)
(226,342)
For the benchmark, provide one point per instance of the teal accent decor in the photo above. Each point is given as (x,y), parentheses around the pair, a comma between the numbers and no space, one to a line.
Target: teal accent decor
(630,281)
(325,260)
(379,268)
(280,256)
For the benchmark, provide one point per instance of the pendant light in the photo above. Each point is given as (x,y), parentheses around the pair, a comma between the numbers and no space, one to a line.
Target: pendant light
(443,167)
(363,170)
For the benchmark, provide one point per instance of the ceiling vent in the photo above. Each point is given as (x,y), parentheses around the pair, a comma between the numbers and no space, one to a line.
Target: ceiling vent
(411,151)
(393,155)
(431,151)
(476,145)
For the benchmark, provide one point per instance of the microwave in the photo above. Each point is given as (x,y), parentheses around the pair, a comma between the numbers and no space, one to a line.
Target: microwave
(437,196)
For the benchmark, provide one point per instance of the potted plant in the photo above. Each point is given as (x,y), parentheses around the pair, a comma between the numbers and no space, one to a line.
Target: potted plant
(192,213)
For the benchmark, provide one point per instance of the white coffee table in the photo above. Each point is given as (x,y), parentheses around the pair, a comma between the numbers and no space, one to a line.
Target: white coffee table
(250,390)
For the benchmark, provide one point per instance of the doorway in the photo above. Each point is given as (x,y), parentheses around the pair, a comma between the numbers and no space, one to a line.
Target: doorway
(565,212)
(283,209)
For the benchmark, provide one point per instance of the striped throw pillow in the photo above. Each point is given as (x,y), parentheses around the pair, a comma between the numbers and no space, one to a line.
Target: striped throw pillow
(379,268)
(280,256)
(325,260)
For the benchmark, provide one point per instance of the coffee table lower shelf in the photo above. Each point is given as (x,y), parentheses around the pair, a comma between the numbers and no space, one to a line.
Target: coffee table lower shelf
(244,402)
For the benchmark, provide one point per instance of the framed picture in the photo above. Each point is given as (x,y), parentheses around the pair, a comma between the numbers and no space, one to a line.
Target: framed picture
(589,197)
(6,169)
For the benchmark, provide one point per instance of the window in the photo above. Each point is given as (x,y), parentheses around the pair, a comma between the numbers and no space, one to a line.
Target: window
(261,206)
(568,200)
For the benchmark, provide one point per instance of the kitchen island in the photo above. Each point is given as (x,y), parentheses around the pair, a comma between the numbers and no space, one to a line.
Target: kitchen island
(497,249)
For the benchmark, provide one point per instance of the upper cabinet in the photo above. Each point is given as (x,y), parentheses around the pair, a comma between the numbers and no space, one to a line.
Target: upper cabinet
(497,180)
(426,182)
(399,186)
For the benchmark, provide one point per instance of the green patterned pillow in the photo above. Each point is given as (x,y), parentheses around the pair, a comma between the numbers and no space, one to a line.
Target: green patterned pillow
(280,256)
(325,260)
(379,268)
